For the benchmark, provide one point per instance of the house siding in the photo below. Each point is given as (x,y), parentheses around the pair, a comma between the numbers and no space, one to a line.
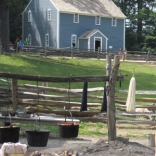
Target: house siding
(83,44)
(68,27)
(40,25)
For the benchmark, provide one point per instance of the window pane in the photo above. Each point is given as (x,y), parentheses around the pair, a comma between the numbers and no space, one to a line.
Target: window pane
(76,18)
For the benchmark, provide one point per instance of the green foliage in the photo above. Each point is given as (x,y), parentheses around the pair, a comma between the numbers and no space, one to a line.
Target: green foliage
(139,23)
(15,19)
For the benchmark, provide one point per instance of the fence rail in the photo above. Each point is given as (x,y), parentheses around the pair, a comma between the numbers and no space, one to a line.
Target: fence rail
(84,53)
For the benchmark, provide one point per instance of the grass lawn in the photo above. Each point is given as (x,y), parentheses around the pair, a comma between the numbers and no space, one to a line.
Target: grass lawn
(145,75)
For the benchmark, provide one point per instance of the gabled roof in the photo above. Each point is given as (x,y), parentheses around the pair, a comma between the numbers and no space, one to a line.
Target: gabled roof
(87,34)
(105,8)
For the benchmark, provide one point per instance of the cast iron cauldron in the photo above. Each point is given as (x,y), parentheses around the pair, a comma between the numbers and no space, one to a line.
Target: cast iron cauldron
(68,129)
(37,138)
(9,134)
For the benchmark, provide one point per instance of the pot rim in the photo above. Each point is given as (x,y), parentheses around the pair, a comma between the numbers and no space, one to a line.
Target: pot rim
(11,127)
(68,123)
(37,131)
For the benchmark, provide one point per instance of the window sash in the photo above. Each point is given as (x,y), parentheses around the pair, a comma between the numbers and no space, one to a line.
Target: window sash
(29,16)
(76,18)
(98,20)
(73,40)
(47,40)
(49,14)
(114,22)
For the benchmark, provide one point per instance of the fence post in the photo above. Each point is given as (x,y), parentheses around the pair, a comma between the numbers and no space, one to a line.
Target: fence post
(148,54)
(72,52)
(45,51)
(45,84)
(98,53)
(14,93)
(111,100)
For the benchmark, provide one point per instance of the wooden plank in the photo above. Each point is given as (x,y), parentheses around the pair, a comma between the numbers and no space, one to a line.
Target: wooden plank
(136,114)
(60,90)
(60,79)
(56,96)
(145,92)
(75,113)
(56,103)
(136,122)
(153,100)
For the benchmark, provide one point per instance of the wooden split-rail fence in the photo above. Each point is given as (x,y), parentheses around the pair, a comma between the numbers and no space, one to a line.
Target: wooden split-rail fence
(84,53)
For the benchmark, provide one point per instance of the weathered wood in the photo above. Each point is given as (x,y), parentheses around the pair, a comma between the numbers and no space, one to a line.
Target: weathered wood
(14,94)
(60,90)
(145,92)
(60,79)
(136,114)
(75,113)
(55,103)
(135,122)
(28,94)
(111,100)
(153,100)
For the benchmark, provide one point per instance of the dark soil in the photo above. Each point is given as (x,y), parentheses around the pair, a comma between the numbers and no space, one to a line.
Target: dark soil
(120,147)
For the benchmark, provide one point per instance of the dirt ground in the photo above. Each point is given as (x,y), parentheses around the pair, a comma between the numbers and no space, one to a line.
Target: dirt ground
(137,144)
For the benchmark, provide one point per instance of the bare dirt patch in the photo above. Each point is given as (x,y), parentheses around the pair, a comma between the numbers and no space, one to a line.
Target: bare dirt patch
(99,146)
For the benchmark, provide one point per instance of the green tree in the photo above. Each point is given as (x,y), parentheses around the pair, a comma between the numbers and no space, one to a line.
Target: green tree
(16,9)
(4,24)
(140,23)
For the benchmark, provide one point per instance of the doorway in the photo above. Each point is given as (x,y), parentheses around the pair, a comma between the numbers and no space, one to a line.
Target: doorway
(97,43)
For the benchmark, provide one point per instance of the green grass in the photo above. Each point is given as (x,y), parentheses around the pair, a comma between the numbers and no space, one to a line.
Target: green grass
(145,77)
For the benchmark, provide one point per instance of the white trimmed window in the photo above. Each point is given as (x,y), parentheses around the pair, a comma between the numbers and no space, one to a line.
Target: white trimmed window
(49,14)
(97,20)
(47,40)
(114,22)
(76,18)
(29,38)
(73,40)
(29,16)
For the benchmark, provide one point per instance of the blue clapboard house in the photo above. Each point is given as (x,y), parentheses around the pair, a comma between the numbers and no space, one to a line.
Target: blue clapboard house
(82,24)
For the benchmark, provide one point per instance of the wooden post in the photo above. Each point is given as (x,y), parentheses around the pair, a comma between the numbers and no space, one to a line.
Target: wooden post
(45,51)
(111,100)
(45,84)
(72,52)
(147,56)
(108,65)
(98,53)
(14,94)
(151,140)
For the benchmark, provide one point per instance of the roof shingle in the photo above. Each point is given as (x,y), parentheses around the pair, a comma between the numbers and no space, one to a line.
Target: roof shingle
(105,8)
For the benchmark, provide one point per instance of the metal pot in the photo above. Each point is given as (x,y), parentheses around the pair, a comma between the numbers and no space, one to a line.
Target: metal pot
(37,138)
(9,134)
(68,129)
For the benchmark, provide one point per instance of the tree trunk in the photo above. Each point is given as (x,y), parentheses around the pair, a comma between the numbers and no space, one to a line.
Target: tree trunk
(4,25)
(139,37)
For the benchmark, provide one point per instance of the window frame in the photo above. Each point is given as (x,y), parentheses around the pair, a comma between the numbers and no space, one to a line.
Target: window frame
(47,41)
(114,22)
(97,20)
(29,16)
(49,14)
(76,18)
(74,38)
(29,38)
